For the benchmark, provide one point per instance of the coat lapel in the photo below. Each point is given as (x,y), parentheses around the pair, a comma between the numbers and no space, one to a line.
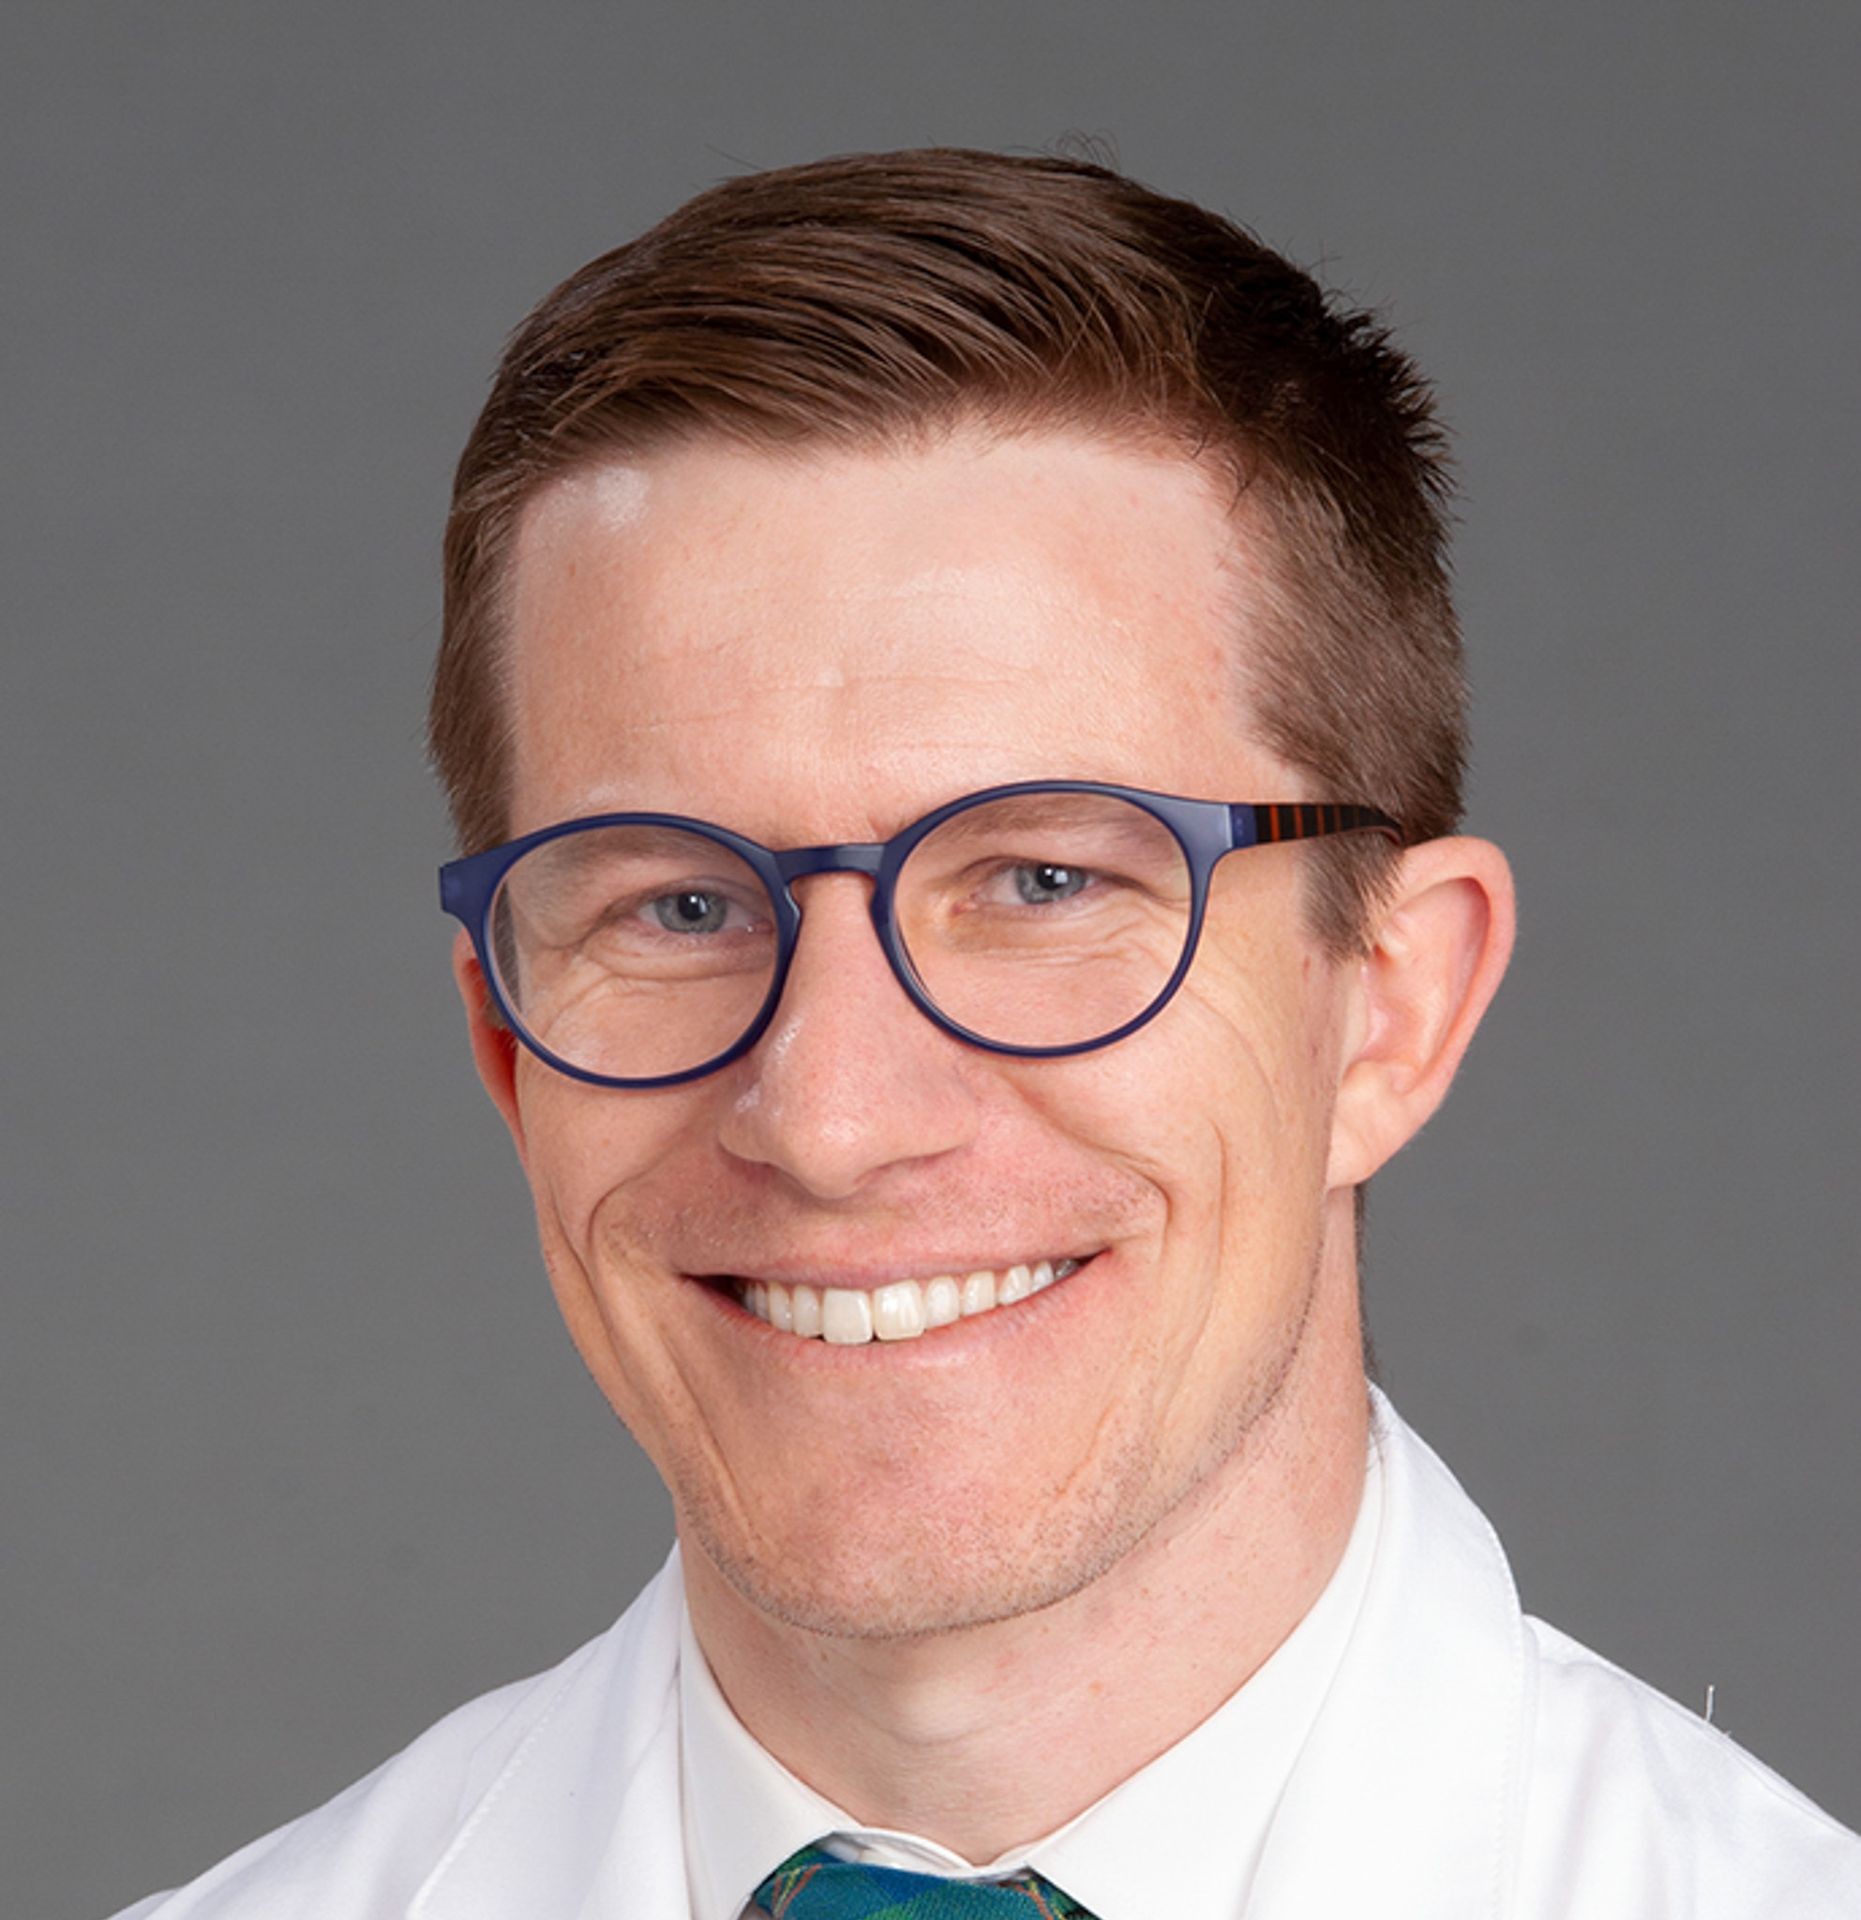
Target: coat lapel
(583,1820)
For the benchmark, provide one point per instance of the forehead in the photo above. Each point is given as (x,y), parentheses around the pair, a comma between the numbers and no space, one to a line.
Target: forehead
(832,641)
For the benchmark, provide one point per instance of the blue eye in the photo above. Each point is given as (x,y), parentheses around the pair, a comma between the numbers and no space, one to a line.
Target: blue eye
(691,911)
(1045,882)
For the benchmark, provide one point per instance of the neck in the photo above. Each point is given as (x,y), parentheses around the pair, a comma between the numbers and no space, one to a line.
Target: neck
(933,1735)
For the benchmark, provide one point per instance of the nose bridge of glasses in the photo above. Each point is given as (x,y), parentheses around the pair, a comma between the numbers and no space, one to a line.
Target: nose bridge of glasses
(797,863)
(866,857)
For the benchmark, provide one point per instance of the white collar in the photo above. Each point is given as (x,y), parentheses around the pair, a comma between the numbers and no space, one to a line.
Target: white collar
(1205,1805)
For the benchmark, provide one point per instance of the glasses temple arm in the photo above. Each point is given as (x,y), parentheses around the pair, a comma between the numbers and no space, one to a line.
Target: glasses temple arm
(1265,823)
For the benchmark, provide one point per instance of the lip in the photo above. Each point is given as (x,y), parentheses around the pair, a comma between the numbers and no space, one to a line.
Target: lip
(868,1279)
(964,1342)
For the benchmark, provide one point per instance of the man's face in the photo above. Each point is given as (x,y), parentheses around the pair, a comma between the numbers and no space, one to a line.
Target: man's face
(820,648)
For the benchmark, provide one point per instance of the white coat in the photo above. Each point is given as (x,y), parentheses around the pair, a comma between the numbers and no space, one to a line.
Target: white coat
(1469,1763)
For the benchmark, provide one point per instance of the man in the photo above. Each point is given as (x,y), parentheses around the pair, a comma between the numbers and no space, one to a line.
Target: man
(953,714)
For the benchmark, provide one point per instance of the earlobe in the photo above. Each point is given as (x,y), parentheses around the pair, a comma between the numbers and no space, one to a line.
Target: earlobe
(494,1047)
(1435,960)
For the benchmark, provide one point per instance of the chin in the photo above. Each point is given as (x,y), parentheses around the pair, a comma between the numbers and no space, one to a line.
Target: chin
(907,1598)
(876,1578)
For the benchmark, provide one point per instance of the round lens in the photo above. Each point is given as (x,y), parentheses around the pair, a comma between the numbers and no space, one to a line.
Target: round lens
(633,952)
(1045,919)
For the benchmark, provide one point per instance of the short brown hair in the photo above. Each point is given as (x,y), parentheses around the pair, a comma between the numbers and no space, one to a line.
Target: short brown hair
(877,297)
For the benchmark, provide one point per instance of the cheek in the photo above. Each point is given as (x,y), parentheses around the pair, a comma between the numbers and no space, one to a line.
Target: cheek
(1267,1006)
(1174,1108)
(1223,1103)
(585,1145)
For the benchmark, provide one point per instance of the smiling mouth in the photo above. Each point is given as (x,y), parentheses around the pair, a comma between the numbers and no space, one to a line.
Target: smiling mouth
(899,1310)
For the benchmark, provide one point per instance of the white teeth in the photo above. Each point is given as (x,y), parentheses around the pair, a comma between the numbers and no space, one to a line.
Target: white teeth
(943,1302)
(846,1316)
(900,1310)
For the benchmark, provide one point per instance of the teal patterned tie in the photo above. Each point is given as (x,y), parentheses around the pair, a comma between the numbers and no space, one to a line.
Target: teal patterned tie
(813,1885)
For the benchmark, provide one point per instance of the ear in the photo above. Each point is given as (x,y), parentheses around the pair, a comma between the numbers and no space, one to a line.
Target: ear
(1437,954)
(494,1046)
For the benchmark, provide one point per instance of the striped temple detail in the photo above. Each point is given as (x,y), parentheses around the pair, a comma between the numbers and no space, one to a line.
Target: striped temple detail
(1308,820)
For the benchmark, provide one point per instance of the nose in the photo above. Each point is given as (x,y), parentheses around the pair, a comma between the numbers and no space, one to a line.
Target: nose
(850,1081)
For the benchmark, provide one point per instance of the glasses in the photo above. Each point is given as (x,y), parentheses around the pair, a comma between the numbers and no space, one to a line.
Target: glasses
(1041,919)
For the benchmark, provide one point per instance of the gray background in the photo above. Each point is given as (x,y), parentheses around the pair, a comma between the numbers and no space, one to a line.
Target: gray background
(295,1455)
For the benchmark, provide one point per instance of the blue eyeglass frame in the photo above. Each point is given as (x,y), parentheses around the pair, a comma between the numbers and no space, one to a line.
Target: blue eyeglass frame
(1206,830)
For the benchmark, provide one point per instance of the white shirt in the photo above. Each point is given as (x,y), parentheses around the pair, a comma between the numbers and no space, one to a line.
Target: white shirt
(1199,1812)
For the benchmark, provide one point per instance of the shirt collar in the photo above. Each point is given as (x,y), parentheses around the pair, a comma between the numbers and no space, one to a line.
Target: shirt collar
(1201,1811)
(744,1813)
(1204,1805)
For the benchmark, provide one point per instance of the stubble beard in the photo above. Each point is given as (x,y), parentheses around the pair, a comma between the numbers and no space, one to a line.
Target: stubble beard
(921,1581)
